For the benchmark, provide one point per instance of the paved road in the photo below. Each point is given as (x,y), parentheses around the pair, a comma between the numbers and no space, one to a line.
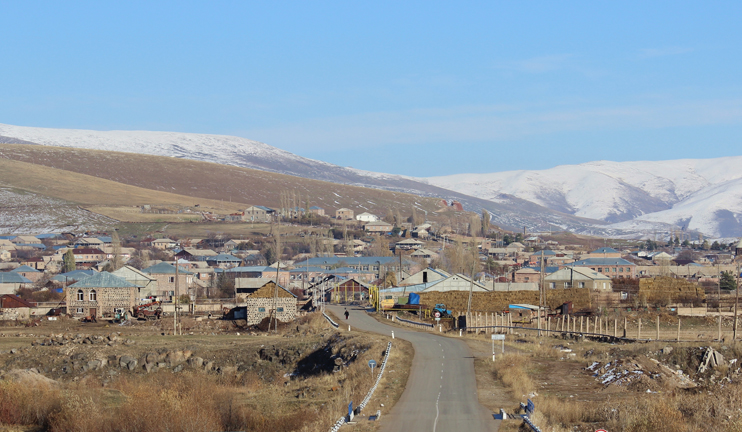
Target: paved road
(441,392)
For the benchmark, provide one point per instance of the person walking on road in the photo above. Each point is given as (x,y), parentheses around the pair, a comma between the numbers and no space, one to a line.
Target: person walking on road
(346,314)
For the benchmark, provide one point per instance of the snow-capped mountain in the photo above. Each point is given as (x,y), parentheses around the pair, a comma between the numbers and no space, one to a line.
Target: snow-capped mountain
(608,198)
(695,194)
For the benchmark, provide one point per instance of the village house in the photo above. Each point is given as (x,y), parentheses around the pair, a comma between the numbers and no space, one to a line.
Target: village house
(611,266)
(457,282)
(261,302)
(424,254)
(243,287)
(223,261)
(163,243)
(527,274)
(24,239)
(284,276)
(319,211)
(164,274)
(193,254)
(344,214)
(146,284)
(379,227)
(367,217)
(100,295)
(89,243)
(10,282)
(409,244)
(88,257)
(37,263)
(13,307)
(348,272)
(424,276)
(347,290)
(5,255)
(29,273)
(259,214)
(375,264)
(578,277)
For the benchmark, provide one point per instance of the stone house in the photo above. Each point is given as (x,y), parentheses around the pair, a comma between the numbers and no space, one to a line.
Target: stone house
(611,267)
(100,295)
(13,307)
(163,243)
(164,274)
(344,214)
(260,304)
(527,274)
(88,257)
(29,273)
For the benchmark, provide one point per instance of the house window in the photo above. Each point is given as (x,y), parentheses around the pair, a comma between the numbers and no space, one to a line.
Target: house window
(93,295)
(80,310)
(280,309)
(581,284)
(171,279)
(600,270)
(425,277)
(80,295)
(261,309)
(552,285)
(620,269)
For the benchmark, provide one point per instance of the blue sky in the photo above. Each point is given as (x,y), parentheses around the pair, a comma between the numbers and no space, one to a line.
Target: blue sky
(418,88)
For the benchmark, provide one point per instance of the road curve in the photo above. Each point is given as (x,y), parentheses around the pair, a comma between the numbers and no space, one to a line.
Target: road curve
(441,392)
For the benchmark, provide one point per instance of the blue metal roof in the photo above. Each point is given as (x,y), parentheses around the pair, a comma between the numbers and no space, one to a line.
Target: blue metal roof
(328,261)
(309,269)
(315,208)
(164,268)
(224,257)
(103,280)
(250,269)
(10,277)
(601,261)
(268,209)
(47,236)
(25,268)
(604,250)
(547,269)
(33,245)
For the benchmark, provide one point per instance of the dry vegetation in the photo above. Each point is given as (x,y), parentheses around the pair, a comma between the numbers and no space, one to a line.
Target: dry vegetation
(568,397)
(261,395)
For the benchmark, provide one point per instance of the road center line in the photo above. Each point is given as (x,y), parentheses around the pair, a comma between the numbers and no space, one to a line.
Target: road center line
(435,423)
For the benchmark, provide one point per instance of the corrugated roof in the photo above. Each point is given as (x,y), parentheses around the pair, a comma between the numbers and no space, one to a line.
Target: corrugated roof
(103,280)
(10,277)
(224,257)
(164,268)
(601,261)
(25,269)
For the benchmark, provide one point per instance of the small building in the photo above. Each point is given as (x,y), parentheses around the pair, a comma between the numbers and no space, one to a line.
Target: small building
(409,244)
(611,267)
(344,214)
(578,277)
(100,295)
(163,243)
(265,272)
(10,282)
(193,254)
(424,254)
(29,273)
(379,227)
(424,276)
(88,257)
(146,284)
(261,303)
(350,289)
(367,217)
(259,214)
(164,273)
(224,261)
(13,307)
(36,263)
(319,211)
(457,282)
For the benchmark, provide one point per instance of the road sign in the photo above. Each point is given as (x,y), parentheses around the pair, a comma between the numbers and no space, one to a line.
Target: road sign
(372,364)
(498,337)
(530,407)
(437,314)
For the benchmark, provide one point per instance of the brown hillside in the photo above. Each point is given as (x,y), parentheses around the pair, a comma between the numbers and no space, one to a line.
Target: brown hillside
(91,191)
(212,181)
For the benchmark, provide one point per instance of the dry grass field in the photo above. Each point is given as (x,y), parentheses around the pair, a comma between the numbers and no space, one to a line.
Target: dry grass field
(259,381)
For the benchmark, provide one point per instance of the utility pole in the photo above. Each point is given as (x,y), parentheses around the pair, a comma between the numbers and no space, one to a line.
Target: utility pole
(177,292)
(278,269)
(736,304)
(541,292)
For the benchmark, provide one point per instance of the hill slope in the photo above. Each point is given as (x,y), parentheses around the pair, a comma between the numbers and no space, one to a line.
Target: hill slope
(508,211)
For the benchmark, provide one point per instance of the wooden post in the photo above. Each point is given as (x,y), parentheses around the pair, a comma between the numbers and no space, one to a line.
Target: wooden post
(658,327)
(678,329)
(625,326)
(720,321)
(548,325)
(581,317)
(588,325)
(615,327)
(639,330)
(574,324)
(566,318)
(600,325)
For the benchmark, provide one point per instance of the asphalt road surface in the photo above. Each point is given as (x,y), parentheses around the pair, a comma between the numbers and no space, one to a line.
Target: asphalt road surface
(441,392)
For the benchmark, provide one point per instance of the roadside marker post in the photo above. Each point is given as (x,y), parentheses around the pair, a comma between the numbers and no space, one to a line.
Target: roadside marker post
(500,337)
(372,365)
(392,334)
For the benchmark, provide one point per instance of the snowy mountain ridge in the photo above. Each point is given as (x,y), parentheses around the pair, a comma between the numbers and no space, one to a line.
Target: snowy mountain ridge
(601,197)
(694,194)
